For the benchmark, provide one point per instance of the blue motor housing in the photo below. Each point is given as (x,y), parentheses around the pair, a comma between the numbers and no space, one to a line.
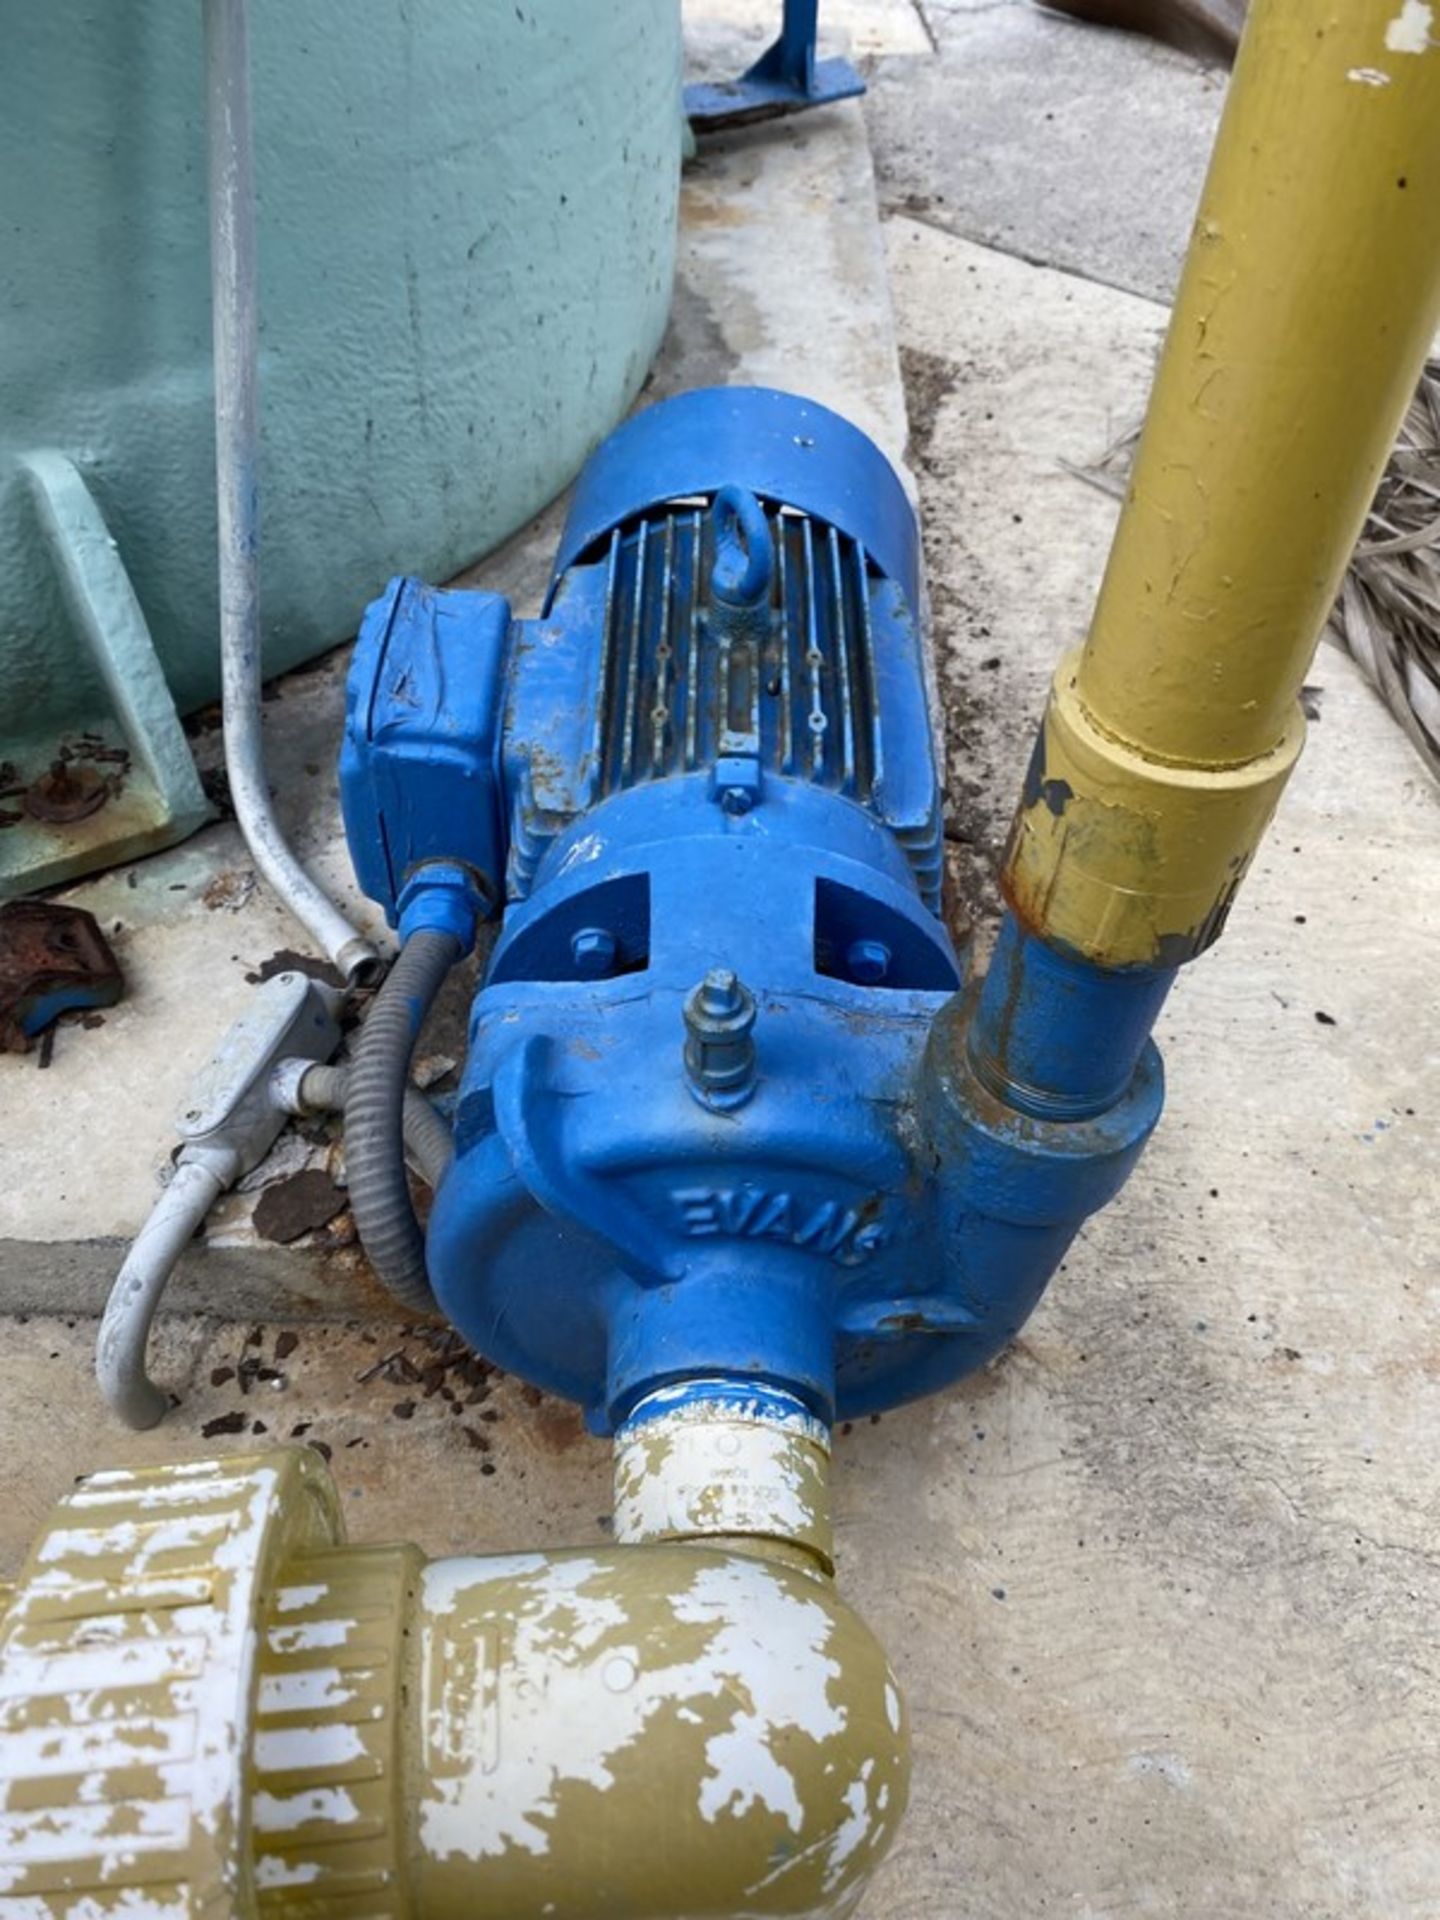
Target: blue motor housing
(717,1116)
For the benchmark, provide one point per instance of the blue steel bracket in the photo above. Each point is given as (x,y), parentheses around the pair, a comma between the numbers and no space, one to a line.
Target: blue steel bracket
(419,779)
(787,78)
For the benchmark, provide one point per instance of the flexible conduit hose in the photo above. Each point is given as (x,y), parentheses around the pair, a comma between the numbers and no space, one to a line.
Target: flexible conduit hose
(428,1138)
(374,1117)
(237,448)
(428,1141)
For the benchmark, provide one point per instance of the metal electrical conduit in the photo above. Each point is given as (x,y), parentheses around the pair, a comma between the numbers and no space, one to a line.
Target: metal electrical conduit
(235,1125)
(236,1113)
(252,1097)
(237,446)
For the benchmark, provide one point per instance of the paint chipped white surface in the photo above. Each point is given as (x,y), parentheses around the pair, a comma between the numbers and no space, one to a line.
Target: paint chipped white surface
(892,1708)
(1411,29)
(315,1690)
(480,1814)
(293,1599)
(772,1650)
(127,1906)
(854,1830)
(304,1749)
(737,1467)
(283,1813)
(315,1633)
(703,1399)
(576,1683)
(272,1871)
(169,1696)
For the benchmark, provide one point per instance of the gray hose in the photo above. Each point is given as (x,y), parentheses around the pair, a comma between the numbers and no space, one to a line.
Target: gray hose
(125,1330)
(374,1117)
(237,447)
(428,1140)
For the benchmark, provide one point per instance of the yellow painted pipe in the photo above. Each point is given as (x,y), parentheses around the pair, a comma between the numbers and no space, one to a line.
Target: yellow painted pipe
(1308,301)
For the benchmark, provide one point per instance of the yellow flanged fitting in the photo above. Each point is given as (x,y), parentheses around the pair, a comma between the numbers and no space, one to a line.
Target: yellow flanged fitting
(127,1658)
(1309,298)
(210,1705)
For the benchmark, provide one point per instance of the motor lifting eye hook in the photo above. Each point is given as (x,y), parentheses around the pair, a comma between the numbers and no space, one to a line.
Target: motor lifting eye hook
(744,553)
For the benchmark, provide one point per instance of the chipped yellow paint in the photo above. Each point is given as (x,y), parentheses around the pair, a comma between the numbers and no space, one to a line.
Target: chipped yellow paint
(330,1740)
(651,1733)
(212,1706)
(1308,302)
(1127,859)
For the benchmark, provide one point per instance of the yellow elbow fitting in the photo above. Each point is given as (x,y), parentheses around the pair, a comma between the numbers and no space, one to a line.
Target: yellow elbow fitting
(214,1706)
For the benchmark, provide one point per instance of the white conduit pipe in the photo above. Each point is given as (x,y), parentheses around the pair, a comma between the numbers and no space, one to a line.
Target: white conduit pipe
(122,1348)
(174,1221)
(237,439)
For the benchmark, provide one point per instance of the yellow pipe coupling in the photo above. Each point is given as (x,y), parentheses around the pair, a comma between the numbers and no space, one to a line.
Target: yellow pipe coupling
(214,1706)
(1310,294)
(1128,860)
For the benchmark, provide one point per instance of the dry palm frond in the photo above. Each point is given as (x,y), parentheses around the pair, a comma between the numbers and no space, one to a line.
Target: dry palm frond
(1388,613)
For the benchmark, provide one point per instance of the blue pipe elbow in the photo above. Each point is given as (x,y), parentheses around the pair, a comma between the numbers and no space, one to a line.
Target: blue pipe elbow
(1055,1036)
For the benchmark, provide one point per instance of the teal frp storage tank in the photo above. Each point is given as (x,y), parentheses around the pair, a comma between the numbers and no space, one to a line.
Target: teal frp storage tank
(466,217)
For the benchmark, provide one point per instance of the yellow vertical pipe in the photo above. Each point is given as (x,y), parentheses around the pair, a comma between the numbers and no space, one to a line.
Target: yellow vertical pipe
(1309,298)
(1308,301)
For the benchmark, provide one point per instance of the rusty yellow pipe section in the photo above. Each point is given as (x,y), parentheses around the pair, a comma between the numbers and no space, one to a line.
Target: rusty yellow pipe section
(1308,301)
(214,1706)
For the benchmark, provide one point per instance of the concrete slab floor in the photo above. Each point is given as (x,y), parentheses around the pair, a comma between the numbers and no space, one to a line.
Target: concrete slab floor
(723,37)
(1170,1624)
(1062,142)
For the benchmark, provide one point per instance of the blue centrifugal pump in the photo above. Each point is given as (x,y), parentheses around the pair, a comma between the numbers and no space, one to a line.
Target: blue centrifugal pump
(732,1108)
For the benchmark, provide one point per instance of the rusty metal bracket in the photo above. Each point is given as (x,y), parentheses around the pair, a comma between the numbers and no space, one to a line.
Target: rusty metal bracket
(53,960)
